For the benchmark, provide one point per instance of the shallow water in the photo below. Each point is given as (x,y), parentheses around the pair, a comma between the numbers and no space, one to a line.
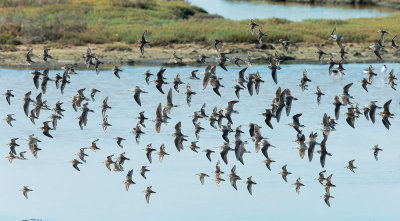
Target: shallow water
(62,193)
(293,12)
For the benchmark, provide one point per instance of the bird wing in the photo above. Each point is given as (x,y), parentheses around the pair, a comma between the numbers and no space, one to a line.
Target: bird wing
(386,106)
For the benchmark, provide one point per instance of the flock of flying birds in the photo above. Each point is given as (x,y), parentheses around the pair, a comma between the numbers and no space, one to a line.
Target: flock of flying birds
(281,102)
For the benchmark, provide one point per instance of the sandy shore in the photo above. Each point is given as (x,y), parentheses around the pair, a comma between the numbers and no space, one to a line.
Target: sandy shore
(161,55)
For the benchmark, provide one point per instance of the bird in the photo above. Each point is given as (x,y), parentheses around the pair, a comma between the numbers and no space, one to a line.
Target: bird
(319,94)
(296,122)
(193,75)
(94,147)
(225,148)
(298,184)
(383,33)
(202,176)
(202,58)
(391,80)
(326,197)
(337,38)
(250,184)
(176,58)
(46,128)
(337,104)
(143,171)
(261,34)
(148,75)
(116,71)
(208,153)
(284,173)
(9,119)
(285,44)
(274,66)
(148,192)
(386,114)
(29,57)
(137,91)
(364,83)
(351,166)
(81,154)
(253,26)
(25,190)
(323,152)
(75,164)
(149,149)
(8,95)
(143,42)
(394,45)
(119,140)
(233,177)
(328,183)
(177,82)
(216,44)
(321,177)
(268,162)
(376,150)
(104,107)
(46,54)
(222,59)
(320,54)
(377,47)
(162,153)
(128,180)
(93,92)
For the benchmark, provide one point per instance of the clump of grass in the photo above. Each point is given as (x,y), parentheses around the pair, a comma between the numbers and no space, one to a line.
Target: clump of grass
(117,47)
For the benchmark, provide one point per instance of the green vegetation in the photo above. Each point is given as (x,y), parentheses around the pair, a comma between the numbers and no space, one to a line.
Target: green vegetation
(80,22)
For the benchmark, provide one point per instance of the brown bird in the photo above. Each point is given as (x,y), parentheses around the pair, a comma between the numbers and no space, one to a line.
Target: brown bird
(8,95)
(351,166)
(9,119)
(148,192)
(128,180)
(162,153)
(250,184)
(284,173)
(25,190)
(75,164)
(298,184)
(202,175)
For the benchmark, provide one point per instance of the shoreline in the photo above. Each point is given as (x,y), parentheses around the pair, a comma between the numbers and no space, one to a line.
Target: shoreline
(162,55)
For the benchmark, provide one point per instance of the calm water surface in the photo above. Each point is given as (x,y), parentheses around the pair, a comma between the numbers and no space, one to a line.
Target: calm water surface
(62,194)
(294,12)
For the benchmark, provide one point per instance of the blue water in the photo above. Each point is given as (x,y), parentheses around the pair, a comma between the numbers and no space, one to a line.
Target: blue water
(293,12)
(62,194)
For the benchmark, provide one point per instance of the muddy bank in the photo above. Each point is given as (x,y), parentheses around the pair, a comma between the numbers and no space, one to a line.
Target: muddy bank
(162,55)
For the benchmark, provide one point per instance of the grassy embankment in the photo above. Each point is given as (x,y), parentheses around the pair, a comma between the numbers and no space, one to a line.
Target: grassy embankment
(112,22)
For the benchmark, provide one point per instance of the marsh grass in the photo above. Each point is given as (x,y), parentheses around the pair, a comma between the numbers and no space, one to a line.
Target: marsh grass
(80,22)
